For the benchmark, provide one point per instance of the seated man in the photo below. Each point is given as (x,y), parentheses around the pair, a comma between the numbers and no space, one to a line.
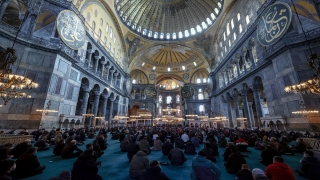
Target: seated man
(268,154)
(196,141)
(222,141)
(259,145)
(315,153)
(139,163)
(102,142)
(123,145)
(167,147)
(143,144)
(86,167)
(230,148)
(300,146)
(133,148)
(41,144)
(96,148)
(157,144)
(21,148)
(28,164)
(279,170)
(203,168)
(242,144)
(6,167)
(57,150)
(209,152)
(190,148)
(177,157)
(234,162)
(68,149)
(154,172)
(285,149)
(179,143)
(244,173)
(310,166)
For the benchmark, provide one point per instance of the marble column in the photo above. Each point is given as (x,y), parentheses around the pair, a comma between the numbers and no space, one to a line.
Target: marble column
(110,113)
(95,106)
(229,111)
(134,93)
(111,76)
(115,78)
(107,72)
(251,114)
(96,63)
(238,68)
(102,68)
(104,106)
(246,108)
(244,63)
(253,64)
(90,52)
(224,79)
(3,7)
(236,105)
(85,99)
(257,102)
(227,74)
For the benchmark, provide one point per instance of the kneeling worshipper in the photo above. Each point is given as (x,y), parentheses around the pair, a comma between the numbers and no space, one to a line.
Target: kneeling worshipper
(68,150)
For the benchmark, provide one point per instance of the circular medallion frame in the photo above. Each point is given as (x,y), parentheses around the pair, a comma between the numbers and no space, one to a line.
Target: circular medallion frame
(187,91)
(71,29)
(150,92)
(273,23)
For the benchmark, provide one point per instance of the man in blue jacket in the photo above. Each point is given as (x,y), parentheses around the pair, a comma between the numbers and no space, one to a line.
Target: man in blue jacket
(204,169)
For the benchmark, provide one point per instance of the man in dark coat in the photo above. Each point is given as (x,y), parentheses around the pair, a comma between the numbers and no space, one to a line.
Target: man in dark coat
(167,147)
(179,143)
(177,157)
(209,152)
(244,173)
(268,154)
(132,148)
(21,148)
(234,162)
(190,148)
(57,150)
(28,164)
(310,166)
(68,149)
(41,144)
(153,172)
(85,167)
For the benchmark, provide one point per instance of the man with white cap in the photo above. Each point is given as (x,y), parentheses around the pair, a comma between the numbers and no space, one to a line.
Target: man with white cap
(258,174)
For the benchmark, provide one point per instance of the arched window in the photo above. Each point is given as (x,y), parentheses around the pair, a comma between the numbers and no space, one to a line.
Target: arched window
(213,17)
(209,21)
(168,36)
(93,25)
(232,24)
(234,36)
(160,111)
(178,98)
(178,112)
(144,32)
(200,94)
(247,19)
(99,33)
(174,36)
(240,28)
(114,40)
(204,80)
(225,48)
(101,22)
(160,100)
(229,43)
(150,34)
(186,33)
(107,28)
(228,29)
(204,25)
(198,80)
(180,35)
(202,109)
(224,36)
(193,31)
(161,35)
(216,10)
(111,33)
(105,40)
(155,35)
(134,81)
(238,16)
(169,99)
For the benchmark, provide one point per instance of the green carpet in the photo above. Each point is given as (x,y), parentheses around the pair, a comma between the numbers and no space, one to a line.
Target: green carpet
(115,164)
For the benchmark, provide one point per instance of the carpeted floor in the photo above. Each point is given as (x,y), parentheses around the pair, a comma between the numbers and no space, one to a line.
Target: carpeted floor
(115,164)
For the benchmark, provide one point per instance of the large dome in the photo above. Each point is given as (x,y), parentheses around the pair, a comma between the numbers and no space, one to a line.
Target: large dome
(168,20)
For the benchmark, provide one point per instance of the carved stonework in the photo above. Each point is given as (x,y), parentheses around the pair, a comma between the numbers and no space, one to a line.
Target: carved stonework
(133,46)
(205,44)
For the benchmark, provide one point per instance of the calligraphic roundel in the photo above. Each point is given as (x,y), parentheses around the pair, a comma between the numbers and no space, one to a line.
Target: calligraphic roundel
(150,92)
(273,23)
(187,91)
(71,29)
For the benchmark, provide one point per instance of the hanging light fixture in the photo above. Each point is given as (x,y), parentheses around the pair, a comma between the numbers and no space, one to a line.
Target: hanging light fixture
(311,85)
(12,84)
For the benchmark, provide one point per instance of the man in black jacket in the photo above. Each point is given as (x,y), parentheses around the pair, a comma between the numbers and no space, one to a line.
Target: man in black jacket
(167,147)
(28,164)
(21,148)
(41,144)
(177,157)
(57,150)
(154,172)
(132,148)
(68,149)
(268,154)
(310,166)
(85,167)
(234,162)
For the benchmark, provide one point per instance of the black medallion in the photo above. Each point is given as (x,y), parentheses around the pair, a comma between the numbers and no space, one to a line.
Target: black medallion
(187,91)
(150,92)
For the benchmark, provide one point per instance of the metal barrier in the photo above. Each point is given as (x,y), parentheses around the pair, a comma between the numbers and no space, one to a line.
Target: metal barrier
(13,139)
(313,142)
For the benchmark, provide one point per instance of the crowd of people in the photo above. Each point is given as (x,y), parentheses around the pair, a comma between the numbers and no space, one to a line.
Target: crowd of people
(175,142)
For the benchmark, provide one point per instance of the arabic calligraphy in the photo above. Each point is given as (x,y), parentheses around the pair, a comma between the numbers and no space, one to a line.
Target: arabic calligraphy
(273,23)
(70,29)
(187,91)
(150,92)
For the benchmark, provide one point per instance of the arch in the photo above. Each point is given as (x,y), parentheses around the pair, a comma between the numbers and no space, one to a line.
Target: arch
(89,46)
(257,80)
(85,82)
(96,87)
(201,73)
(78,122)
(139,76)
(245,87)
(105,92)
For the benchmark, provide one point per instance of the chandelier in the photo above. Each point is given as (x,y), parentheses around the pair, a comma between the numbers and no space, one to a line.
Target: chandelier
(47,110)
(311,85)
(9,94)
(305,112)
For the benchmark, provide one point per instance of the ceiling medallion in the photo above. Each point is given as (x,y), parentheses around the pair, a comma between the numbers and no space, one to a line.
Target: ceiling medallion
(152,76)
(185,76)
(274,23)
(168,20)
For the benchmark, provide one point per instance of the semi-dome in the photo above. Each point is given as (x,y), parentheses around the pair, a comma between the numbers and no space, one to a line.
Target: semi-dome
(168,20)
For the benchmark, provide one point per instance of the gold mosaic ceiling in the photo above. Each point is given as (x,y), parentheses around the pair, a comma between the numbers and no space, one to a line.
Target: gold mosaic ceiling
(169,56)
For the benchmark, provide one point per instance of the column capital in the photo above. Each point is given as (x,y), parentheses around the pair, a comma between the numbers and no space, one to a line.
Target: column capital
(103,62)
(105,96)
(86,89)
(97,57)
(90,51)
(96,93)
(112,99)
